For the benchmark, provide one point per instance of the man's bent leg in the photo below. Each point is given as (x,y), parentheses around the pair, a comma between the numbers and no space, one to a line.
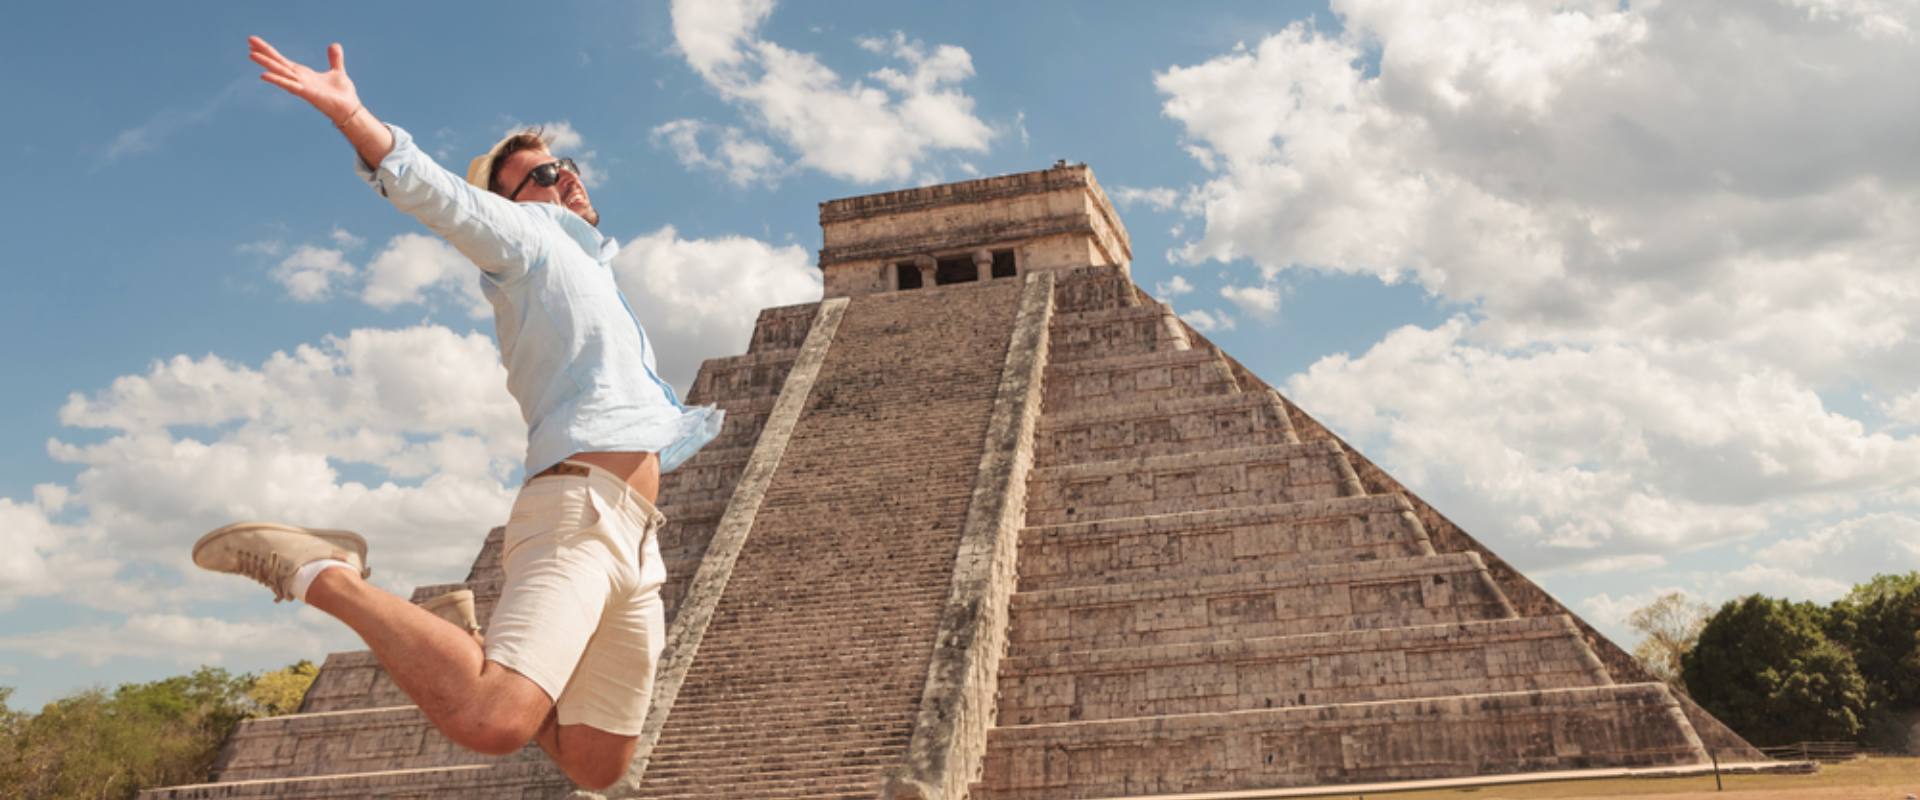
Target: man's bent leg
(478,704)
(589,756)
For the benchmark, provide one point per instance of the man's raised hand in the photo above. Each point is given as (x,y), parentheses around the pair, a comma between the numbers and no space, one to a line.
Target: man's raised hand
(330,92)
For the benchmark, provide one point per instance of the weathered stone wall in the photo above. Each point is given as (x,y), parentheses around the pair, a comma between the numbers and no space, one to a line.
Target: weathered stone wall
(1143,548)
(1288,602)
(1526,596)
(366,740)
(1505,655)
(1053,219)
(1443,737)
(520,780)
(1171,484)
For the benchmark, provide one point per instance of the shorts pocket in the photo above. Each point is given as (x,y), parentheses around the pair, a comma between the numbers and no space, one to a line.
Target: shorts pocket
(548,510)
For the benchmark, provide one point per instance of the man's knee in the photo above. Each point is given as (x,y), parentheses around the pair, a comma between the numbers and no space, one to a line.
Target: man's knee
(492,736)
(598,775)
(503,715)
(594,759)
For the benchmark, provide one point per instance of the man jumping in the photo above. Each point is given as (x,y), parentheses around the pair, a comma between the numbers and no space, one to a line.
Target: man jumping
(568,659)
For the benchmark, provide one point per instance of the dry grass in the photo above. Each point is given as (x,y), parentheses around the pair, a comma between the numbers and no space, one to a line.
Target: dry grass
(1862,779)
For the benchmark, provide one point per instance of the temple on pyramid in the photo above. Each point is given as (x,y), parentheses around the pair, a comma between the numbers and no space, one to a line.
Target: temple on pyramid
(988,521)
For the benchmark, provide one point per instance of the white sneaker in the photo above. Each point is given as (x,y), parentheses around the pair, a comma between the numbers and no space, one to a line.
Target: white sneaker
(455,607)
(271,553)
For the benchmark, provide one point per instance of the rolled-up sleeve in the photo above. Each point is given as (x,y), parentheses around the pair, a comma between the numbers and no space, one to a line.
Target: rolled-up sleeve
(498,235)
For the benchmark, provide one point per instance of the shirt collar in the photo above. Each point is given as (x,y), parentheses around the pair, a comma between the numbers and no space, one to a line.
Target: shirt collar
(590,239)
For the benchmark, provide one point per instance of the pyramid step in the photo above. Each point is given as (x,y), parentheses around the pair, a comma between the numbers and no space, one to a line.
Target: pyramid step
(1483,657)
(754,374)
(1107,332)
(746,417)
(1164,426)
(854,778)
(1215,479)
(1093,288)
(816,697)
(720,748)
(344,742)
(708,479)
(487,563)
(1396,593)
(1337,530)
(1075,385)
(531,780)
(1638,725)
(704,510)
(352,681)
(782,327)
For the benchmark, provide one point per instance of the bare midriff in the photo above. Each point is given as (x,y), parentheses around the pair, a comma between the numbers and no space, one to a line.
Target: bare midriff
(640,470)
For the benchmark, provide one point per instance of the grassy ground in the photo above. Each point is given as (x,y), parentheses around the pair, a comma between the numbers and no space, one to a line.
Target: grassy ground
(1863,779)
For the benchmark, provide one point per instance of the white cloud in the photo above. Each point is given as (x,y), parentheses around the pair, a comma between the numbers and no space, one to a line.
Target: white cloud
(181,639)
(1173,288)
(1208,321)
(1674,227)
(1158,198)
(1851,550)
(1790,583)
(1889,18)
(1255,301)
(1566,454)
(1599,566)
(165,124)
(698,298)
(419,415)
(419,269)
(38,556)
(344,239)
(1583,171)
(743,159)
(858,131)
(309,273)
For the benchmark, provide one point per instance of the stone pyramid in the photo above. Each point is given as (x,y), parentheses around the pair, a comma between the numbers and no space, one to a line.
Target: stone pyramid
(990,522)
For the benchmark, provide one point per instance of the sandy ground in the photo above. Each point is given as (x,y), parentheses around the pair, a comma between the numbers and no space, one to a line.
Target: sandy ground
(1864,779)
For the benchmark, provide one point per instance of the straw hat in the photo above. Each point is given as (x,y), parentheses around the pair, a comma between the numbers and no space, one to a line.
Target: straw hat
(482,166)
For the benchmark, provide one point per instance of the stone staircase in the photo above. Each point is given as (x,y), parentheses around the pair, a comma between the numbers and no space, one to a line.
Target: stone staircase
(807,678)
(1209,602)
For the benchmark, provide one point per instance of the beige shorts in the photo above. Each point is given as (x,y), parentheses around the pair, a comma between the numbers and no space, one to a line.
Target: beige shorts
(580,612)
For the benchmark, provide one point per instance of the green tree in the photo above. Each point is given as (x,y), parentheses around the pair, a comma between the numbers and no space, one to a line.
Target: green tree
(1766,668)
(1669,626)
(280,691)
(1879,621)
(96,744)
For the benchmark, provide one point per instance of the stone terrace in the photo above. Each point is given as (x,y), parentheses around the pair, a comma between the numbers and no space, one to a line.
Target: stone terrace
(1208,601)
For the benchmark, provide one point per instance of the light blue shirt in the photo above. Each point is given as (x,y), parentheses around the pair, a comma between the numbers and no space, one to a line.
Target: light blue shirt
(577,359)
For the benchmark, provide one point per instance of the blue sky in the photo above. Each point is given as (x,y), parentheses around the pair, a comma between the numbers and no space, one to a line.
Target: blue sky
(1622,290)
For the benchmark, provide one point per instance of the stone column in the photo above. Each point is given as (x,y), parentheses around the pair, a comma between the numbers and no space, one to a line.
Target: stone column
(927,265)
(983,264)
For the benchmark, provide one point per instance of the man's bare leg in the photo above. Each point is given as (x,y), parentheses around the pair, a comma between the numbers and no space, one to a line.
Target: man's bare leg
(477,703)
(591,757)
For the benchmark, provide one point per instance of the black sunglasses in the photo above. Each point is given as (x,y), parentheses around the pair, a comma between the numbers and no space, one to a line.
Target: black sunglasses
(546,174)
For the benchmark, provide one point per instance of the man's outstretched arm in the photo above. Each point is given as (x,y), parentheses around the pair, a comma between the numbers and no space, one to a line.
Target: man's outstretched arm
(498,236)
(331,93)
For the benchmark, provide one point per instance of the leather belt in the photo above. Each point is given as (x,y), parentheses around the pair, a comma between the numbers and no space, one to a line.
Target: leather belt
(562,468)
